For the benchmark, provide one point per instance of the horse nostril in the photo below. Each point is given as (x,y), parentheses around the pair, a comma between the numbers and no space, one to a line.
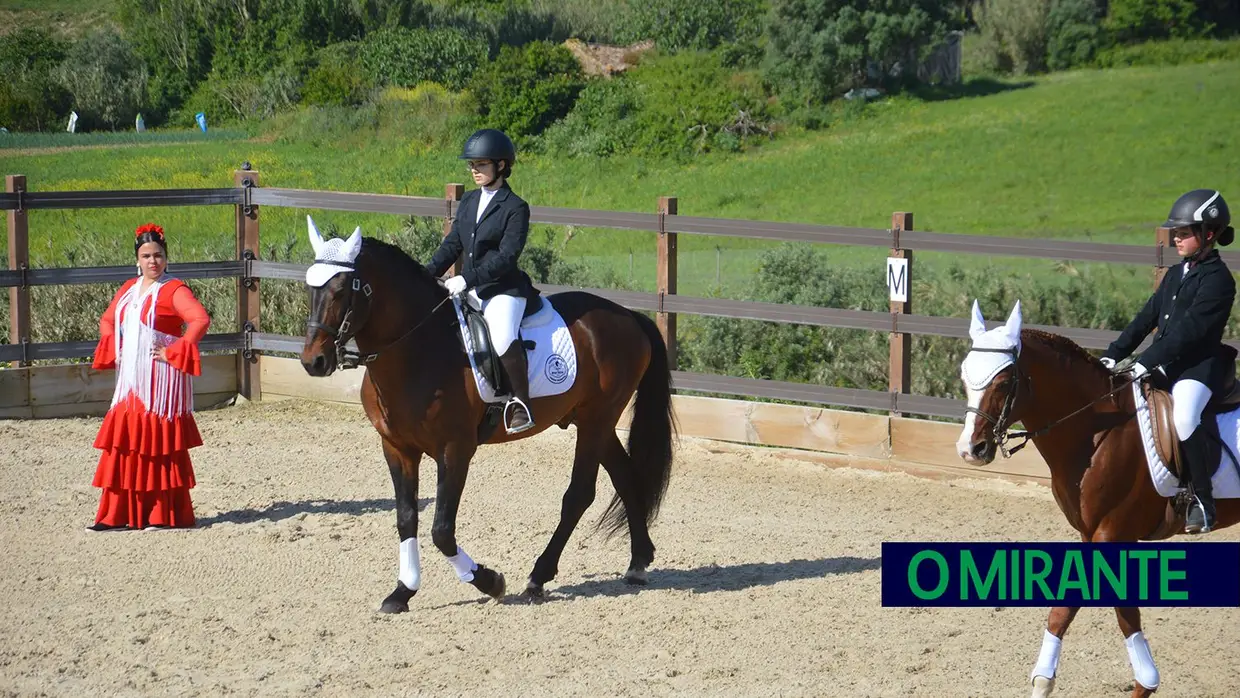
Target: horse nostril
(978,449)
(320,364)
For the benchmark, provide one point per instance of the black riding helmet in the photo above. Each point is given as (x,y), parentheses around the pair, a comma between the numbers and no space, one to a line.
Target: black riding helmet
(491,144)
(1203,210)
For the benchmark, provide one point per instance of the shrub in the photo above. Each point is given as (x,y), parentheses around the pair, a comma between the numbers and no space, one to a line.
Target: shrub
(337,77)
(106,78)
(818,49)
(1073,33)
(1136,20)
(406,57)
(674,105)
(679,25)
(527,89)
(1014,34)
(30,99)
(1169,52)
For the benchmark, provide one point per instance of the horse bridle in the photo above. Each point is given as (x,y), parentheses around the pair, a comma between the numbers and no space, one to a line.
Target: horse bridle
(1000,434)
(998,431)
(345,357)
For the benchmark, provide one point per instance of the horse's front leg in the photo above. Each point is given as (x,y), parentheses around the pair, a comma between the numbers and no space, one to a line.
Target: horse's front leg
(1047,667)
(403,466)
(453,469)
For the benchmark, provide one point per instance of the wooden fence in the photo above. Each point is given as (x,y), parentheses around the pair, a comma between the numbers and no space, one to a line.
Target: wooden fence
(248,341)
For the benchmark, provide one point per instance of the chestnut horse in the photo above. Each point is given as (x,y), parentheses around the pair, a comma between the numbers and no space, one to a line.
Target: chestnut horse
(420,394)
(1082,421)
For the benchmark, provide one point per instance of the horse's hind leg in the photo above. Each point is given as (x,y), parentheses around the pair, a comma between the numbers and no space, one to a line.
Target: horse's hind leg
(620,468)
(1044,671)
(577,498)
(453,468)
(403,466)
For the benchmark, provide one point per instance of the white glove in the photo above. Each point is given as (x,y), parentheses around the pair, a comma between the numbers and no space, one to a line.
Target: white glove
(455,285)
(1138,370)
(1108,362)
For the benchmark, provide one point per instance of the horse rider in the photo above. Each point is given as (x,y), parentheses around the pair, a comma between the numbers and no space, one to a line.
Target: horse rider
(488,235)
(1190,309)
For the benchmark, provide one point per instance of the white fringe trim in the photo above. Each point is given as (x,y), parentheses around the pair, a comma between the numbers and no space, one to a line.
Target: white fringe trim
(161,388)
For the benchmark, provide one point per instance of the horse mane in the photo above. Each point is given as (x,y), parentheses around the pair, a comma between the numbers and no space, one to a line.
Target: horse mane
(406,265)
(1064,346)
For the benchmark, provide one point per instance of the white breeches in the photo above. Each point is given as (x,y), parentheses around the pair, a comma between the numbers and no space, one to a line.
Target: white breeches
(503,315)
(1189,398)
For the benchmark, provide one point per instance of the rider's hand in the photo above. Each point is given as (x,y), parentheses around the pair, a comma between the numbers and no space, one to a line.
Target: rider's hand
(455,285)
(1108,362)
(1138,370)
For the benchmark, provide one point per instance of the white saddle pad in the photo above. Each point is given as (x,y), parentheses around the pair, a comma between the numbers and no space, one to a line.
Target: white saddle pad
(1226,479)
(552,363)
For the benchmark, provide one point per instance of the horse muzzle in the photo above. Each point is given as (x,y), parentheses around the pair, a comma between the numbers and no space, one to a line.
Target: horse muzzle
(980,453)
(319,365)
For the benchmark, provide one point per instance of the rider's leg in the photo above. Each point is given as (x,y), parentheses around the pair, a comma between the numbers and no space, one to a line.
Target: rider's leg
(1189,399)
(503,315)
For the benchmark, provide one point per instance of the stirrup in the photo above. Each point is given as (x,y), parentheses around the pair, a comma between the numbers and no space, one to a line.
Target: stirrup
(529,417)
(1206,525)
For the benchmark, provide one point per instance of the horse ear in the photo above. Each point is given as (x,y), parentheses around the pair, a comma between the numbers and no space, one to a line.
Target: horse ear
(354,244)
(316,240)
(977,325)
(1012,328)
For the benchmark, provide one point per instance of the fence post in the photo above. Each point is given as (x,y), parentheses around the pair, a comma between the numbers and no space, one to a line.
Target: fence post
(19,258)
(249,384)
(666,277)
(1162,243)
(900,286)
(452,194)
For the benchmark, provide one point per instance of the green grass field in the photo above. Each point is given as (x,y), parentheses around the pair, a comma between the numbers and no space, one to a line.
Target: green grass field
(1086,155)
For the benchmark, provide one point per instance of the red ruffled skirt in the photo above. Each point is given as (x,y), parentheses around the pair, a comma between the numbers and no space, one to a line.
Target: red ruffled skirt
(145,471)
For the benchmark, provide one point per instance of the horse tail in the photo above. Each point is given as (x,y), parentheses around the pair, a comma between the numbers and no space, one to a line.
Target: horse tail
(651,434)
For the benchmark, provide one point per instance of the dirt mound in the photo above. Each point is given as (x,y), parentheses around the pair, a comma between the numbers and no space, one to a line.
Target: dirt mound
(605,60)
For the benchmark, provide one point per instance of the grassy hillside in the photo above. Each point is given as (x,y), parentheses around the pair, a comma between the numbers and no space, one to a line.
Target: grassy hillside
(1094,155)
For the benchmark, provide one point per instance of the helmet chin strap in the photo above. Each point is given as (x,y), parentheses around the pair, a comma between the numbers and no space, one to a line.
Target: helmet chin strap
(494,177)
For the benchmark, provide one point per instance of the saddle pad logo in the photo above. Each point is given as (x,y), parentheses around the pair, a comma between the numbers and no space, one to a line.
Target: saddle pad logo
(556,369)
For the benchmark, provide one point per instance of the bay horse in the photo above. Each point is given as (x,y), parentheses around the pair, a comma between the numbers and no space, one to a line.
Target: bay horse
(420,394)
(1085,427)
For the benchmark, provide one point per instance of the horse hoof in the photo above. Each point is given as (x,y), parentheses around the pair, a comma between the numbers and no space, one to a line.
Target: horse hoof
(394,607)
(489,582)
(398,600)
(534,591)
(1042,687)
(636,577)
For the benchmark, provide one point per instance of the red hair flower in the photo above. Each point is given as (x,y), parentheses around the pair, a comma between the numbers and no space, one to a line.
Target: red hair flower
(149,228)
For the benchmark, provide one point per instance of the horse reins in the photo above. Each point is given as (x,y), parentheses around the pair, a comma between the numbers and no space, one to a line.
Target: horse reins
(347,358)
(1001,435)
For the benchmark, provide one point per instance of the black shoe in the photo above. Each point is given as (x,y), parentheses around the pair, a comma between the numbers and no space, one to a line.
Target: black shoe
(104,527)
(517,414)
(517,417)
(1201,518)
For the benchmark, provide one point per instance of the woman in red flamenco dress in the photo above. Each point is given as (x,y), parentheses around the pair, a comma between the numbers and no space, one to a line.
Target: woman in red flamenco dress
(145,471)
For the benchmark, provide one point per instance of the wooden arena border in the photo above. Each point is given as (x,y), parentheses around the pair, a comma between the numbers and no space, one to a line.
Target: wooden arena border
(68,390)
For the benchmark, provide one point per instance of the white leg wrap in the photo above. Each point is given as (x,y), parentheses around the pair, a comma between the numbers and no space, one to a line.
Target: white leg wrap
(410,564)
(463,564)
(1143,669)
(1048,658)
